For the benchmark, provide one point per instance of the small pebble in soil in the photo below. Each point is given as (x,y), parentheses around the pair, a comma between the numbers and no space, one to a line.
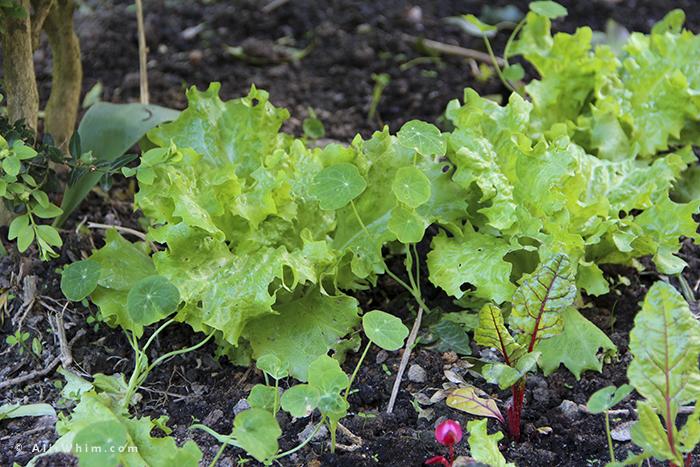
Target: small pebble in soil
(306,432)
(240,406)
(213,417)
(449,357)
(416,374)
(622,431)
(569,409)
(381,357)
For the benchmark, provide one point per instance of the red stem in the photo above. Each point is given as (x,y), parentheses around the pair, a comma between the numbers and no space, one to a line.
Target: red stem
(515,409)
(688,459)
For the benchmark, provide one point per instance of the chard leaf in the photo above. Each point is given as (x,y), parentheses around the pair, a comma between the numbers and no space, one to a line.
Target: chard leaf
(576,347)
(540,300)
(665,344)
(492,332)
(484,447)
(474,401)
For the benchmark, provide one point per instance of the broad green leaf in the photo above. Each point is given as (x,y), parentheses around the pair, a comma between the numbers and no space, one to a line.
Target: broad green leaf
(313,128)
(272,365)
(474,401)
(492,332)
(26,410)
(257,431)
(338,185)
(689,435)
(108,131)
(104,440)
(577,347)
(79,279)
(451,337)
(665,344)
(122,263)
(317,320)
(672,22)
(19,225)
(407,225)
(649,434)
(411,187)
(151,299)
(11,165)
(326,375)
(484,447)
(262,397)
(548,8)
(514,72)
(506,375)
(422,137)
(300,400)
(385,330)
(608,397)
(475,259)
(541,298)
(480,25)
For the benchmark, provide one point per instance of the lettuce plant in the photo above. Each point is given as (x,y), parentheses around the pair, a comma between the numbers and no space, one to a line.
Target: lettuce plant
(665,346)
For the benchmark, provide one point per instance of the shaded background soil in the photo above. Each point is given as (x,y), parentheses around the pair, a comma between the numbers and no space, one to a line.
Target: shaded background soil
(346,42)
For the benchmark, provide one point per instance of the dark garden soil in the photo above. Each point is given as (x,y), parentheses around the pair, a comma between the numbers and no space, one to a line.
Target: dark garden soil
(347,41)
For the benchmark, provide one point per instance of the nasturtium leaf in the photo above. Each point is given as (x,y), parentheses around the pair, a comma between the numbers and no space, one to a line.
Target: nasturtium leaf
(300,400)
(262,397)
(608,397)
(474,401)
(551,10)
(411,186)
(424,138)
(577,347)
(79,279)
(480,25)
(152,299)
(514,72)
(272,365)
(257,431)
(407,225)
(336,186)
(330,380)
(385,330)
(483,447)
(102,444)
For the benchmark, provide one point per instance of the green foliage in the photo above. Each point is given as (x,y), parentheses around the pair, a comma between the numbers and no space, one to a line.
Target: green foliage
(608,397)
(256,430)
(26,410)
(79,279)
(484,447)
(665,345)
(384,330)
(21,188)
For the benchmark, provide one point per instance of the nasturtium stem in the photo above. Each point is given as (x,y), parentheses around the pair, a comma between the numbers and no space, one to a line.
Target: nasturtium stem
(506,49)
(357,368)
(218,455)
(497,66)
(359,219)
(275,404)
(156,332)
(607,432)
(177,352)
(303,443)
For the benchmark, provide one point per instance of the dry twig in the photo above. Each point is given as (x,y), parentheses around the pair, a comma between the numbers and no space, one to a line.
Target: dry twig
(404,360)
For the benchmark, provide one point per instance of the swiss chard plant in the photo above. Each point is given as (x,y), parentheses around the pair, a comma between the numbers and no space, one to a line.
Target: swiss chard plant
(665,346)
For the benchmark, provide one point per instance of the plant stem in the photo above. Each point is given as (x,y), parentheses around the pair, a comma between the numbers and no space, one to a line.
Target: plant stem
(496,66)
(515,410)
(303,443)
(143,51)
(357,368)
(607,432)
(218,455)
(275,404)
(515,32)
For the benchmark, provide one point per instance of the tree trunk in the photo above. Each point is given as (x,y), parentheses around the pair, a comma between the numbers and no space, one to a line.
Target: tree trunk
(20,82)
(66,74)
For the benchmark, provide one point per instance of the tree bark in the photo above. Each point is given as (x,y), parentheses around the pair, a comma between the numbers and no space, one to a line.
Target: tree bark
(19,79)
(66,74)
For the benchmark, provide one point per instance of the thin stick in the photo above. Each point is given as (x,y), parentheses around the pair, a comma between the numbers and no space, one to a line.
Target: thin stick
(449,49)
(43,372)
(135,233)
(143,52)
(404,360)
(273,5)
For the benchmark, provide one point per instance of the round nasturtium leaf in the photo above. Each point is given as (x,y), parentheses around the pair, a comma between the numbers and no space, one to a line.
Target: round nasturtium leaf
(407,225)
(424,138)
(79,279)
(607,398)
(152,299)
(411,187)
(102,444)
(551,10)
(514,72)
(385,330)
(272,365)
(300,400)
(257,431)
(337,185)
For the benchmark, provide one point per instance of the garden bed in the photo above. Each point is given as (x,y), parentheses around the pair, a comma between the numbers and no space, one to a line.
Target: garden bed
(347,42)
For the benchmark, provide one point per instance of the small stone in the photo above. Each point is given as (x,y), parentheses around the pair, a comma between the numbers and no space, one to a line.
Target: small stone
(622,431)
(306,432)
(569,409)
(240,406)
(416,373)
(450,357)
(541,395)
(381,357)
(196,56)
(213,417)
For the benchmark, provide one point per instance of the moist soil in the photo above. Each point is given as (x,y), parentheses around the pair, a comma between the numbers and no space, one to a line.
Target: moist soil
(344,44)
